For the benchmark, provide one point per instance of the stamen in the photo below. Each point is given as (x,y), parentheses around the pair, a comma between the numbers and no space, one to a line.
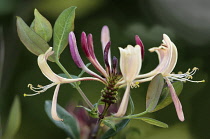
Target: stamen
(187,76)
(135,85)
(39,89)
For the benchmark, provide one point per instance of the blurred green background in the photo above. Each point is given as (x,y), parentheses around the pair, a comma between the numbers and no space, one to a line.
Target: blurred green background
(187,22)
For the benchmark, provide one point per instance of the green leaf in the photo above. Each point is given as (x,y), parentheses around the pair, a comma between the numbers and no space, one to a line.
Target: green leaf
(131,105)
(73,77)
(42,26)
(32,25)
(111,132)
(165,98)
(69,123)
(14,119)
(110,124)
(63,25)
(153,122)
(33,42)
(154,91)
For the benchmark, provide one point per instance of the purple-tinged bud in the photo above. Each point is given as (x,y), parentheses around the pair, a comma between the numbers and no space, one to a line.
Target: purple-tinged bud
(105,36)
(85,44)
(115,65)
(90,45)
(76,57)
(140,43)
(106,54)
(74,50)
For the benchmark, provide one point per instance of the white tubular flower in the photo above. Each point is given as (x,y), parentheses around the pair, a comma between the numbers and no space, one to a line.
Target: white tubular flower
(130,65)
(130,62)
(167,55)
(55,79)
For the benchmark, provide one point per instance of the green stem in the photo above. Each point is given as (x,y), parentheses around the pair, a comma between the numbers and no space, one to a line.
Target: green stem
(134,115)
(95,131)
(75,85)
(106,107)
(129,116)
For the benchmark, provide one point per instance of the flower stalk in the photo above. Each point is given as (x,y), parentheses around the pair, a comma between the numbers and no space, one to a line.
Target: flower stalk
(75,85)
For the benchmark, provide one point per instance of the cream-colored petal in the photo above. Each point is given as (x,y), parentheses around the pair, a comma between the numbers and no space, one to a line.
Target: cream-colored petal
(130,62)
(173,60)
(167,55)
(54,104)
(124,103)
(46,70)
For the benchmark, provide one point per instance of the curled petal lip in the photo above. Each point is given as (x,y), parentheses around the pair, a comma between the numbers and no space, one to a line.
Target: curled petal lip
(167,55)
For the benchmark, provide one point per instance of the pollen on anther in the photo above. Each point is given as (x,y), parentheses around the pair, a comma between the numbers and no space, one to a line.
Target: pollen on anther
(39,85)
(135,85)
(180,72)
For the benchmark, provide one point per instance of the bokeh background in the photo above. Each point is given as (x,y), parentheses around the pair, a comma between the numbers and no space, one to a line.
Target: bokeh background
(187,22)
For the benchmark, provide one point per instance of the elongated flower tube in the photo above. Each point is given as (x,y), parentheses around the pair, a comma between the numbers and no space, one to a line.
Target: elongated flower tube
(55,79)
(130,65)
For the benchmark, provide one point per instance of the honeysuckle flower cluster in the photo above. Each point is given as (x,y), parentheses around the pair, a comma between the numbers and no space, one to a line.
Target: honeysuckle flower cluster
(114,79)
